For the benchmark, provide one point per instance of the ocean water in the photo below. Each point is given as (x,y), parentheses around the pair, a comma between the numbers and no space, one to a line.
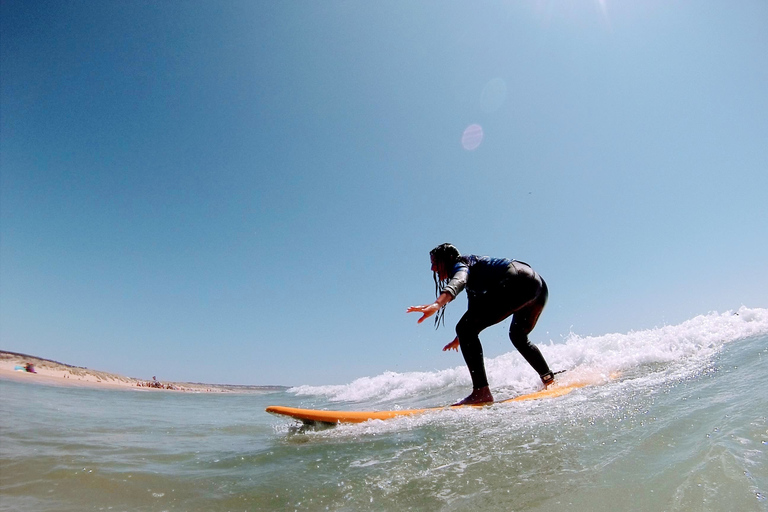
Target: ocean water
(683,427)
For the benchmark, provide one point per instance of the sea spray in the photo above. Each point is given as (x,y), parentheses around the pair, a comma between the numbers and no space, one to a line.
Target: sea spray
(698,338)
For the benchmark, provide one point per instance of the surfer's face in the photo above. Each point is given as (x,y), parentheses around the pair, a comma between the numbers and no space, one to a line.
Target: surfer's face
(439,269)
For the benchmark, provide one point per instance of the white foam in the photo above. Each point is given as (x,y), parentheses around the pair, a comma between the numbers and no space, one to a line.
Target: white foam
(388,386)
(697,338)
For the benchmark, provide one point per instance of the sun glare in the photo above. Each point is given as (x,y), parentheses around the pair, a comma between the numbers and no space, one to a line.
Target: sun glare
(472,137)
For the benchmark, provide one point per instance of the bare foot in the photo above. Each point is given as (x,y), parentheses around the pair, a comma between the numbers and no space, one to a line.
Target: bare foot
(480,396)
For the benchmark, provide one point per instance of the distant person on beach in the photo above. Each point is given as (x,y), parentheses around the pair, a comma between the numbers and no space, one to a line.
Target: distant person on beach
(496,288)
(30,368)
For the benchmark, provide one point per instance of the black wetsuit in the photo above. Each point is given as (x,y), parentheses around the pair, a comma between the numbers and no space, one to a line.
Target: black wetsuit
(496,289)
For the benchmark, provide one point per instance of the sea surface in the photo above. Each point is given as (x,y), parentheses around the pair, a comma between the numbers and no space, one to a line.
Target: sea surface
(683,427)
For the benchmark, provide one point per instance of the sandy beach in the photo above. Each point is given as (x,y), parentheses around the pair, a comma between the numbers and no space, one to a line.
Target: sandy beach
(12,367)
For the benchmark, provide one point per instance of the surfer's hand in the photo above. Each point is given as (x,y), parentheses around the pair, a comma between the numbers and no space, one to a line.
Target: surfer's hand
(454,345)
(427,309)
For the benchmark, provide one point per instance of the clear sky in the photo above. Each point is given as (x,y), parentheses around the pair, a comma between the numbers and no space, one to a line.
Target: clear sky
(246,191)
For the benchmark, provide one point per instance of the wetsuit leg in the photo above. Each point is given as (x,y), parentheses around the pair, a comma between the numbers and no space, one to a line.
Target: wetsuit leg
(477,318)
(523,322)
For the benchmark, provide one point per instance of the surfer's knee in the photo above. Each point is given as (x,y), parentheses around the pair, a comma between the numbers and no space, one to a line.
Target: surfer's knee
(465,330)
(519,338)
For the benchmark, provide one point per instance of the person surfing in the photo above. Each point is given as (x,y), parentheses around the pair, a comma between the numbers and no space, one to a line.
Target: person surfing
(496,289)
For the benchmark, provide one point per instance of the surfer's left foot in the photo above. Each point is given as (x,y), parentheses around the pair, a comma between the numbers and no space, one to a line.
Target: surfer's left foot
(480,396)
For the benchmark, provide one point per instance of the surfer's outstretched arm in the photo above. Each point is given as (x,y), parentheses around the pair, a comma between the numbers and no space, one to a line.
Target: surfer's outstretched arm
(430,309)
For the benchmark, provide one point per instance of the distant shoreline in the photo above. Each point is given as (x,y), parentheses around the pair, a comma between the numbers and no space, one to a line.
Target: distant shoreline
(49,372)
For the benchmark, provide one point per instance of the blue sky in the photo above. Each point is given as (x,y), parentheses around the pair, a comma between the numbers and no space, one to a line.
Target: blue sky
(247,192)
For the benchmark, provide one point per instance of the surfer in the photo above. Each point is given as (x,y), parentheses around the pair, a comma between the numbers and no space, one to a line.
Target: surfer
(496,288)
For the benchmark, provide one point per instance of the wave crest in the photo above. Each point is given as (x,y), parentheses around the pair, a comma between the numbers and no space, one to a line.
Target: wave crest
(695,339)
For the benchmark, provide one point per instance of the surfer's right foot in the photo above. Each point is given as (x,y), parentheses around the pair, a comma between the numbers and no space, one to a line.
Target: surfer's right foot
(480,396)
(549,378)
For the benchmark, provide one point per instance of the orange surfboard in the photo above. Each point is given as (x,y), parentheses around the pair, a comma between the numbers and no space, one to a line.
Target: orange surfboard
(311,416)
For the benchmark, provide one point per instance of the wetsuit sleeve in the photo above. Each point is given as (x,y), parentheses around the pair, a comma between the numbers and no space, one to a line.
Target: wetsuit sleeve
(458,280)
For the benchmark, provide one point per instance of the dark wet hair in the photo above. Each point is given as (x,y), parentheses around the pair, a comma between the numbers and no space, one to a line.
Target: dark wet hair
(443,256)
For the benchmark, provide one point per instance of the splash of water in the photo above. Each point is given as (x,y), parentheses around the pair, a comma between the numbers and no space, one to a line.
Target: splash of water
(691,341)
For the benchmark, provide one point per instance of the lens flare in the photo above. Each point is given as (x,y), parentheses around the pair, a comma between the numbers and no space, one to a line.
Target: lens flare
(472,137)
